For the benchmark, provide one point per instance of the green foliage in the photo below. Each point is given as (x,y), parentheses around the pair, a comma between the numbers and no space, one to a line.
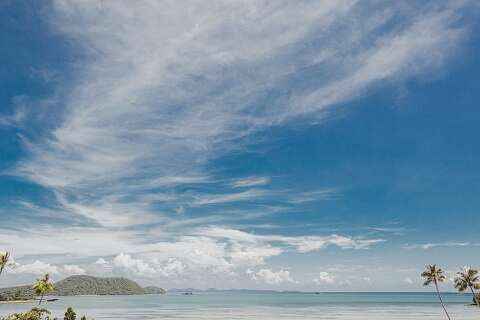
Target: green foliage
(433,274)
(70,314)
(88,285)
(17,293)
(154,290)
(41,314)
(467,279)
(34,314)
(43,286)
(4,260)
(83,285)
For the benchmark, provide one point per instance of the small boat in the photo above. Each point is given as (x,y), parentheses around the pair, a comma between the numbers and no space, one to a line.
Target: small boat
(52,300)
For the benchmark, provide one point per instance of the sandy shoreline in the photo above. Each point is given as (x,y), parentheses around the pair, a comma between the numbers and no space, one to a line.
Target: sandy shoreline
(18,301)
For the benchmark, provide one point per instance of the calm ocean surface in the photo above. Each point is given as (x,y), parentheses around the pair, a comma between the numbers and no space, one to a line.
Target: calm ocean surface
(264,306)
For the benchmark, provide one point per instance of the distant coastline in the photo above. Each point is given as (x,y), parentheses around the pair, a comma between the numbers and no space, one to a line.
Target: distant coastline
(81,285)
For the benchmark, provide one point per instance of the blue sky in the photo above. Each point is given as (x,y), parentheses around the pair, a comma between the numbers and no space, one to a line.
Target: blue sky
(307,146)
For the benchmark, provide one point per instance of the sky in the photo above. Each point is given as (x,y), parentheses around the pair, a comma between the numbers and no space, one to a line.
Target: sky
(287,145)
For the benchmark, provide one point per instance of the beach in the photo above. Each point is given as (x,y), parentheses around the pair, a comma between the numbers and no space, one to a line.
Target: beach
(18,302)
(264,306)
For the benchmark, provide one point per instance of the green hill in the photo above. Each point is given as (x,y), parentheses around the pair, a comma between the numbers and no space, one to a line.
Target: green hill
(17,293)
(154,290)
(83,285)
(88,285)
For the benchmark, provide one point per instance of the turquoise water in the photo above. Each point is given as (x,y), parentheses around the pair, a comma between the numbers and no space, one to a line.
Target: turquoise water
(264,306)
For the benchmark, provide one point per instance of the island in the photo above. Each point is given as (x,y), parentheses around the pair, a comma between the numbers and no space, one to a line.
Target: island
(82,285)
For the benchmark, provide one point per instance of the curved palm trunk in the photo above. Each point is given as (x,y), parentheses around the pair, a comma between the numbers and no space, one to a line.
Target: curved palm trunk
(441,301)
(474,297)
(41,299)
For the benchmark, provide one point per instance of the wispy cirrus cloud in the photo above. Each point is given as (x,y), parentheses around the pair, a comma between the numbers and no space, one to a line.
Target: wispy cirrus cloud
(427,246)
(250,182)
(300,243)
(166,87)
(315,195)
(248,195)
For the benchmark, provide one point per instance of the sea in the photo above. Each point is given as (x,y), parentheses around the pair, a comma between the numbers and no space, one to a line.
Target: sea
(263,306)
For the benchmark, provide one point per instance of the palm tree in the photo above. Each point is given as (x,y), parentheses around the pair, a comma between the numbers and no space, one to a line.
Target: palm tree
(468,278)
(477,297)
(70,314)
(43,286)
(434,275)
(4,260)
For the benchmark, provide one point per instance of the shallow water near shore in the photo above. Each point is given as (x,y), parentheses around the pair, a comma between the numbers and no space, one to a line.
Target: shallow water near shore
(264,306)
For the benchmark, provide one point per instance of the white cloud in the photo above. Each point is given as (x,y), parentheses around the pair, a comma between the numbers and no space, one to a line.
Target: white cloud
(138,267)
(252,255)
(172,267)
(248,195)
(325,278)
(317,195)
(271,277)
(76,241)
(313,243)
(166,87)
(427,246)
(214,252)
(250,182)
(36,268)
(40,268)
(101,261)
(72,270)
(130,264)
(176,88)
(301,243)
(408,280)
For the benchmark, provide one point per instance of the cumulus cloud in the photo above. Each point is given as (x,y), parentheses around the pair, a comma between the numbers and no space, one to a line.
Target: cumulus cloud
(72,270)
(172,267)
(101,261)
(271,277)
(40,268)
(325,278)
(252,255)
(130,264)
(37,268)
(208,251)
